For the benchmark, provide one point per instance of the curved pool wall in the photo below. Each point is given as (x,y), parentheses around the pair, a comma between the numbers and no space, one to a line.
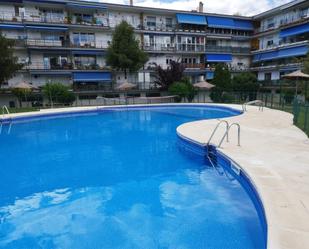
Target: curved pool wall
(61,113)
(194,147)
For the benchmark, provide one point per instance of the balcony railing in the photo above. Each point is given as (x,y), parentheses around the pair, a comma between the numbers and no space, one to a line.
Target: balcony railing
(60,43)
(190,47)
(194,65)
(4,16)
(44,43)
(93,44)
(275,46)
(227,49)
(38,65)
(159,47)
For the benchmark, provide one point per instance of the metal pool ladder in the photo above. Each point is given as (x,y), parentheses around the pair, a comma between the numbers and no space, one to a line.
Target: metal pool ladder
(5,109)
(258,102)
(211,152)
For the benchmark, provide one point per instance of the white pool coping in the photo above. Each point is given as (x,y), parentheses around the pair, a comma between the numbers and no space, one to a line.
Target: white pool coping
(275,155)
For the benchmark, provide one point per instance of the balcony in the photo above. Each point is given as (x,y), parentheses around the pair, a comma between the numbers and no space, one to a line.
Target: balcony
(64,66)
(4,16)
(194,65)
(159,47)
(157,27)
(190,47)
(228,49)
(44,43)
(276,46)
(61,43)
(92,44)
(48,66)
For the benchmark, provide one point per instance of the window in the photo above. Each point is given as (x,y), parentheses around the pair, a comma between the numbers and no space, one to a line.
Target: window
(267,76)
(151,21)
(168,22)
(81,39)
(270,43)
(86,18)
(270,23)
(303,13)
(84,61)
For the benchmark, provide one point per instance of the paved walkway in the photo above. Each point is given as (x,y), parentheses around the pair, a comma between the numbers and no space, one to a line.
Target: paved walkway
(275,155)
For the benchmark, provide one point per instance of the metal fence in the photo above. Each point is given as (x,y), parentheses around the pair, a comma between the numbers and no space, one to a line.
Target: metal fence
(288,103)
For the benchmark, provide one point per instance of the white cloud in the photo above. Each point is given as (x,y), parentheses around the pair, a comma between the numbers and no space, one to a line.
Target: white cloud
(243,7)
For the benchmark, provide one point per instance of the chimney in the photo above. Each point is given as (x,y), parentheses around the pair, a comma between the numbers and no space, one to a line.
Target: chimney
(200,7)
(131,2)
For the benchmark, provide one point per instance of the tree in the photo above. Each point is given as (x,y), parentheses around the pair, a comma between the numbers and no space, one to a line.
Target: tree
(166,77)
(183,89)
(21,94)
(123,53)
(58,93)
(8,62)
(222,82)
(306,70)
(306,64)
(246,84)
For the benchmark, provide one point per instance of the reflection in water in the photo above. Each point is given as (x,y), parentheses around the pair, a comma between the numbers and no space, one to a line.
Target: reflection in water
(67,218)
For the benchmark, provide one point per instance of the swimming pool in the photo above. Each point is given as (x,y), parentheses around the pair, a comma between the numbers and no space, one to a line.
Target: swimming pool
(119,178)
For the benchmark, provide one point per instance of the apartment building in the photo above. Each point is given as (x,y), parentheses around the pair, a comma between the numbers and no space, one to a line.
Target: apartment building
(280,40)
(66,41)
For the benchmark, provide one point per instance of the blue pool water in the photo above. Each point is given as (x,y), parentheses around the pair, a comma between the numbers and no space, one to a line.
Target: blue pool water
(119,179)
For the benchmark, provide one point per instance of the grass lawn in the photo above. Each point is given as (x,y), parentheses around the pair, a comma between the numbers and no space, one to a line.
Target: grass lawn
(23,109)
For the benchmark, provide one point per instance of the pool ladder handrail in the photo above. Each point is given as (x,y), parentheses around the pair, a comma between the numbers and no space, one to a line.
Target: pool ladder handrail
(226,134)
(216,128)
(253,102)
(5,109)
(209,140)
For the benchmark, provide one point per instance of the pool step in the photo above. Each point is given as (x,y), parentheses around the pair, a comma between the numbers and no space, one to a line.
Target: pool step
(212,155)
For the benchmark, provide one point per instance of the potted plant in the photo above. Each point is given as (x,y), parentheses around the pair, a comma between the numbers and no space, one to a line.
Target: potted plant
(94,20)
(79,19)
(69,18)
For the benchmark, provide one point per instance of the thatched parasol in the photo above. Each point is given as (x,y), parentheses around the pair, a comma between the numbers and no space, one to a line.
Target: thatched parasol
(203,85)
(297,75)
(126,86)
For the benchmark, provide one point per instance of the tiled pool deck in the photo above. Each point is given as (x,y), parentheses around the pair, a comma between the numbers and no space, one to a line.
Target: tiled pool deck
(274,154)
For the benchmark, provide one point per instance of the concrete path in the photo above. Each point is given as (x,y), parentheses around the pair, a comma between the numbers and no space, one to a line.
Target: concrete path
(275,155)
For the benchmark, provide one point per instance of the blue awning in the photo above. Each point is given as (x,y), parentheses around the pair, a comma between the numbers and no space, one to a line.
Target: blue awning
(88,52)
(51,28)
(299,29)
(86,6)
(191,19)
(282,53)
(243,24)
(229,23)
(290,52)
(266,56)
(218,57)
(11,26)
(220,22)
(92,76)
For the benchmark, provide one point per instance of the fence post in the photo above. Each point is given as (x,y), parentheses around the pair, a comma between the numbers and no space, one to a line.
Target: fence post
(306,118)
(295,110)
(271,100)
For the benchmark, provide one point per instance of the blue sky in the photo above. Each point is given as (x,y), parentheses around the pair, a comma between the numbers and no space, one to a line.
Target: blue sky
(243,7)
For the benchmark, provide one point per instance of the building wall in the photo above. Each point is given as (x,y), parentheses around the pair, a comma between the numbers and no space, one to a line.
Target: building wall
(157,55)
